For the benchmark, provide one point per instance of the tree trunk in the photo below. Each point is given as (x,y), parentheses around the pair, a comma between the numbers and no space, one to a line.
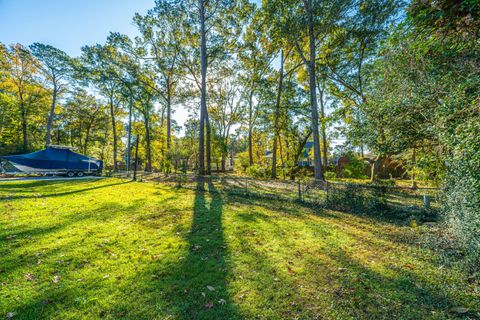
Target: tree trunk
(374,169)
(414,167)
(136,159)
(313,95)
(24,128)
(225,153)
(277,116)
(129,138)
(87,139)
(51,114)
(324,130)
(169,116)
(250,128)
(203,99)
(148,165)
(114,132)
(281,157)
(208,143)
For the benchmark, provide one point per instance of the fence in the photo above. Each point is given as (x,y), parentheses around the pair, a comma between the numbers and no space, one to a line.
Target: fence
(352,197)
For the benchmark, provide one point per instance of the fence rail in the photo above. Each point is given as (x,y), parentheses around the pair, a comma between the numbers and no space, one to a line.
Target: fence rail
(353,197)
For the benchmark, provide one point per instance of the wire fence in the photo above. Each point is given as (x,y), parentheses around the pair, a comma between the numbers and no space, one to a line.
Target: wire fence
(351,197)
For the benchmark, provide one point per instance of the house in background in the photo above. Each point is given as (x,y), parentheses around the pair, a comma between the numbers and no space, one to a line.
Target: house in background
(306,157)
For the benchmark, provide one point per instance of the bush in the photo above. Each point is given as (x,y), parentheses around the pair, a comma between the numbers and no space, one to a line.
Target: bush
(258,171)
(462,189)
(355,168)
(384,182)
(358,198)
(243,159)
(329,175)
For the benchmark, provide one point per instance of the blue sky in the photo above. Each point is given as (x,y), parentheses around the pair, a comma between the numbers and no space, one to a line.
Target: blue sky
(67,24)
(71,24)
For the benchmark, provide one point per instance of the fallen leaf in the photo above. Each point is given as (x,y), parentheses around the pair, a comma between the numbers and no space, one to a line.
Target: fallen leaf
(30,277)
(460,310)
(9,315)
(342,269)
(56,279)
(210,288)
(408,266)
(222,301)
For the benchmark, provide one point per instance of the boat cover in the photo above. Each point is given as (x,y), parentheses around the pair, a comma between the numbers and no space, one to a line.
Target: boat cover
(53,159)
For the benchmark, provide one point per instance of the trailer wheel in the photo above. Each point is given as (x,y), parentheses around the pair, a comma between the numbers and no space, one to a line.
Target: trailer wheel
(80,174)
(70,174)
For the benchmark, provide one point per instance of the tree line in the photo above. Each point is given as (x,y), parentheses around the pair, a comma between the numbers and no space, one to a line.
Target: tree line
(392,79)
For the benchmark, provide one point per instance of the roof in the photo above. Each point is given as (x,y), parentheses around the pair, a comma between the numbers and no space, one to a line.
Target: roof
(308,145)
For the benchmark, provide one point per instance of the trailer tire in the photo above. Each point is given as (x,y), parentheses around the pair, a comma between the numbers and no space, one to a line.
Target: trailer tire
(80,174)
(70,174)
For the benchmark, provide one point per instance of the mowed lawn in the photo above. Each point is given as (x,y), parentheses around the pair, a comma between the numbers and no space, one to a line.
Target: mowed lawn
(114,249)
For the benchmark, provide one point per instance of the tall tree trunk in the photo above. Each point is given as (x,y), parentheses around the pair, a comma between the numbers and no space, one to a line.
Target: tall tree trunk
(414,167)
(169,116)
(24,127)
(313,95)
(225,153)
(114,132)
(208,143)
(87,139)
(375,166)
(250,128)
(203,99)
(136,159)
(277,116)
(224,163)
(148,165)
(51,114)
(281,157)
(58,135)
(129,138)
(324,131)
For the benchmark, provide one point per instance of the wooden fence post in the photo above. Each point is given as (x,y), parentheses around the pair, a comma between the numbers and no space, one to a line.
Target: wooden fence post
(326,189)
(426,201)
(299,190)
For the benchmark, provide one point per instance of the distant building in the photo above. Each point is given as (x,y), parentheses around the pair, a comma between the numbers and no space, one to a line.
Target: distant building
(306,157)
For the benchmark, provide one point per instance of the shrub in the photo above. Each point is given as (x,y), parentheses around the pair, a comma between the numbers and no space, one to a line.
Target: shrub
(355,168)
(329,175)
(462,189)
(358,198)
(258,171)
(243,159)
(384,182)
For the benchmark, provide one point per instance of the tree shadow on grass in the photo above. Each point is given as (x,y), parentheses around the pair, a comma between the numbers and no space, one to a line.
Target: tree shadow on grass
(401,294)
(59,194)
(195,287)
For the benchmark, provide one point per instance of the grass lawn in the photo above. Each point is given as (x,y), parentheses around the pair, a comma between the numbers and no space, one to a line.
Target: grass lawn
(116,249)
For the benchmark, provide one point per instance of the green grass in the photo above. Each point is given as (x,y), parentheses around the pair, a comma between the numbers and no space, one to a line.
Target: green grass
(115,249)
